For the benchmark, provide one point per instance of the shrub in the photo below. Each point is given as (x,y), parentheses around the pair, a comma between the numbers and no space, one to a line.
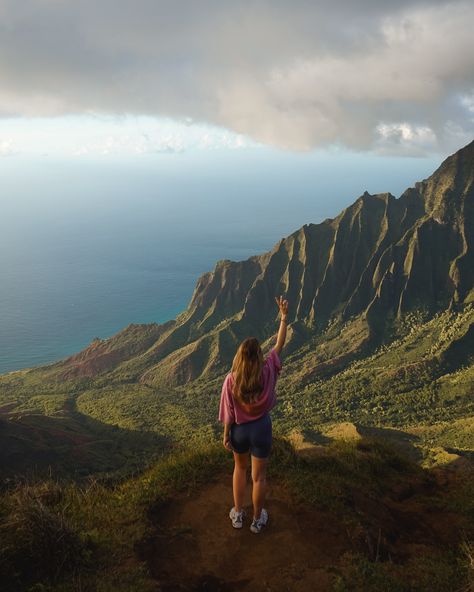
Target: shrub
(37,540)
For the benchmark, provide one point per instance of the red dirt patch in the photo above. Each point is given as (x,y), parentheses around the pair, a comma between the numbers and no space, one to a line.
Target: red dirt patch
(196,547)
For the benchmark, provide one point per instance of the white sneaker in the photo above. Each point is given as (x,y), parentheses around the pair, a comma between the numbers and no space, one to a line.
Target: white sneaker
(237,517)
(257,525)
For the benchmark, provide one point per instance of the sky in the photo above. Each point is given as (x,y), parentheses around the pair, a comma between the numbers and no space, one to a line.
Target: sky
(134,78)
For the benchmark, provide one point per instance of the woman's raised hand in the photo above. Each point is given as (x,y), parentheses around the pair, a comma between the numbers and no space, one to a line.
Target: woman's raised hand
(282,305)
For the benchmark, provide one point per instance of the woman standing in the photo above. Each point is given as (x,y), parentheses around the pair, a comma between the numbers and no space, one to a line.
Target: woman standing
(248,395)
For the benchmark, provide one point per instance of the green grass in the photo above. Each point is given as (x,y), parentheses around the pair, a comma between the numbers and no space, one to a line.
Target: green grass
(58,536)
(329,480)
(440,571)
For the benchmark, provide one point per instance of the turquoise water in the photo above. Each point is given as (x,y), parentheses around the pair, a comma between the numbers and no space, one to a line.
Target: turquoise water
(88,247)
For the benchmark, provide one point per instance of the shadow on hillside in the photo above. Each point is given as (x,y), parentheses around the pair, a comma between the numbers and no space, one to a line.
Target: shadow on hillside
(315,437)
(401,440)
(74,446)
(469,454)
(408,445)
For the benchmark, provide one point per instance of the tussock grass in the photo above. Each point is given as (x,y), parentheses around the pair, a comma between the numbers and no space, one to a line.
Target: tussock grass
(368,469)
(436,572)
(61,537)
(39,536)
(329,480)
(64,537)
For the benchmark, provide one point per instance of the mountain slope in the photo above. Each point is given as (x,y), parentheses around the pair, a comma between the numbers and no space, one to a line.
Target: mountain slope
(380,258)
(381,330)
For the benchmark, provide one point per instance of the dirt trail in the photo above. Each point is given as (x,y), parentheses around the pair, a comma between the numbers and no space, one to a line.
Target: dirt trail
(195,547)
(294,551)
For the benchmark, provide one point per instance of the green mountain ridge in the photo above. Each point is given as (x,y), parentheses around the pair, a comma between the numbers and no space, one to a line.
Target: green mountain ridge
(380,257)
(380,333)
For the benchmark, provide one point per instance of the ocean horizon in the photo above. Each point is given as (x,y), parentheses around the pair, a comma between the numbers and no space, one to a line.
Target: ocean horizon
(89,247)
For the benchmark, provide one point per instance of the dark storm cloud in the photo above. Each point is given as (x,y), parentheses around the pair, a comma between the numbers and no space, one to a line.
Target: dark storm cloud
(296,74)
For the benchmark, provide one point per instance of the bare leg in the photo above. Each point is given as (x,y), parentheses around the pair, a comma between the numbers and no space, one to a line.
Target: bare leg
(239,479)
(259,472)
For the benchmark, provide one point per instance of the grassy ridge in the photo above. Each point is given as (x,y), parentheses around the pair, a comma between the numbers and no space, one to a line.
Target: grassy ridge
(62,537)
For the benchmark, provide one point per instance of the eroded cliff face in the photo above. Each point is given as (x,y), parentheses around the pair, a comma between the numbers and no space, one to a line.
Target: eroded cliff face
(379,258)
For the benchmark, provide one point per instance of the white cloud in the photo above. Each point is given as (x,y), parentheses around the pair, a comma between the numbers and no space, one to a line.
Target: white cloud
(403,138)
(468,102)
(295,74)
(99,135)
(162,138)
(7,148)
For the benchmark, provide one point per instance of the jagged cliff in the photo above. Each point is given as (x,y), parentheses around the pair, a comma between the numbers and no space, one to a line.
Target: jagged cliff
(379,258)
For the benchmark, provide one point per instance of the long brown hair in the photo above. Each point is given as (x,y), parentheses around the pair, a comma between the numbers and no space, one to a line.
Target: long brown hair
(247,374)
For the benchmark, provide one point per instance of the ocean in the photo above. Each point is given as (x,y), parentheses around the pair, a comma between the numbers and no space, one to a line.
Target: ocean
(89,246)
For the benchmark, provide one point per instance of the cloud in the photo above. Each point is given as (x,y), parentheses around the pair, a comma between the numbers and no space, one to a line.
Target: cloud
(110,135)
(405,139)
(297,74)
(128,136)
(132,142)
(7,148)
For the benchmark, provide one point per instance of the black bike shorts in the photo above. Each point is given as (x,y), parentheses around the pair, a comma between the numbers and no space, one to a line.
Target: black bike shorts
(255,435)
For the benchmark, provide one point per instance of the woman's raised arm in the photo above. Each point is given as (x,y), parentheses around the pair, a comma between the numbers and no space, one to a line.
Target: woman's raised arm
(283,307)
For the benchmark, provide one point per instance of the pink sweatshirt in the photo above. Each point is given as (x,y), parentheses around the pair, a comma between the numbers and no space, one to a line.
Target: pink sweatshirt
(230,410)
